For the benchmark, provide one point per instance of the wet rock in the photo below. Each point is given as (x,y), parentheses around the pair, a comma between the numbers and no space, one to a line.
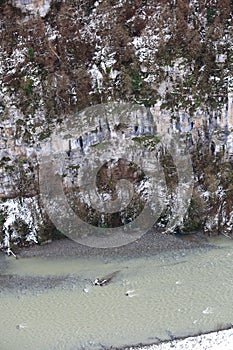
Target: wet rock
(106,279)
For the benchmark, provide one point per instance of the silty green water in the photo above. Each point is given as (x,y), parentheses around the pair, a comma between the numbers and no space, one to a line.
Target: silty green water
(171,294)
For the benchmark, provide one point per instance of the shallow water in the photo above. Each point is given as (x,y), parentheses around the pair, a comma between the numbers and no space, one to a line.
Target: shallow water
(173,294)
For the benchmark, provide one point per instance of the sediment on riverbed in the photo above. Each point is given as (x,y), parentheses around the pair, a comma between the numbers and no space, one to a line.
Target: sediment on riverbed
(149,244)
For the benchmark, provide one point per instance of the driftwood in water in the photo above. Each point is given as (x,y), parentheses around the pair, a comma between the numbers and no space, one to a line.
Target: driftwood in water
(106,279)
(8,251)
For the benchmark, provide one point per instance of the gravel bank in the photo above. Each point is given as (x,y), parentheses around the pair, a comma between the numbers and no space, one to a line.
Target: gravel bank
(152,243)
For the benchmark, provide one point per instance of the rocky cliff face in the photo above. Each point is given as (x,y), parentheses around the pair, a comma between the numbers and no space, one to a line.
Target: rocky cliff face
(173,57)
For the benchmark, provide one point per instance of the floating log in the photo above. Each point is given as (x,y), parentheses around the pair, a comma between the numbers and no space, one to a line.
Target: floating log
(106,279)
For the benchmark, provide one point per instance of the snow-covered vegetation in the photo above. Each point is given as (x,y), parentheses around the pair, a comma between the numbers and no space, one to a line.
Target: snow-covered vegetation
(174,57)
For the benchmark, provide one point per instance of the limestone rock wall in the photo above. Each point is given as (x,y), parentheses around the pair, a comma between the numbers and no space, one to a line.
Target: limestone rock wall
(58,57)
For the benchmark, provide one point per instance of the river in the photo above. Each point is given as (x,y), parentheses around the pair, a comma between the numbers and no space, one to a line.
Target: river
(153,298)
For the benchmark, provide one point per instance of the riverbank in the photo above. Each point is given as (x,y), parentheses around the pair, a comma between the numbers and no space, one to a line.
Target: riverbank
(211,341)
(152,243)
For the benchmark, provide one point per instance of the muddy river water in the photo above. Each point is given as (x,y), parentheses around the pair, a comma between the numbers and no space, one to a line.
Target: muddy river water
(167,295)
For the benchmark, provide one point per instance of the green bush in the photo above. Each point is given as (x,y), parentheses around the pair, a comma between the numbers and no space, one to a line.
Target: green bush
(136,81)
(31,53)
(28,87)
(210,12)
